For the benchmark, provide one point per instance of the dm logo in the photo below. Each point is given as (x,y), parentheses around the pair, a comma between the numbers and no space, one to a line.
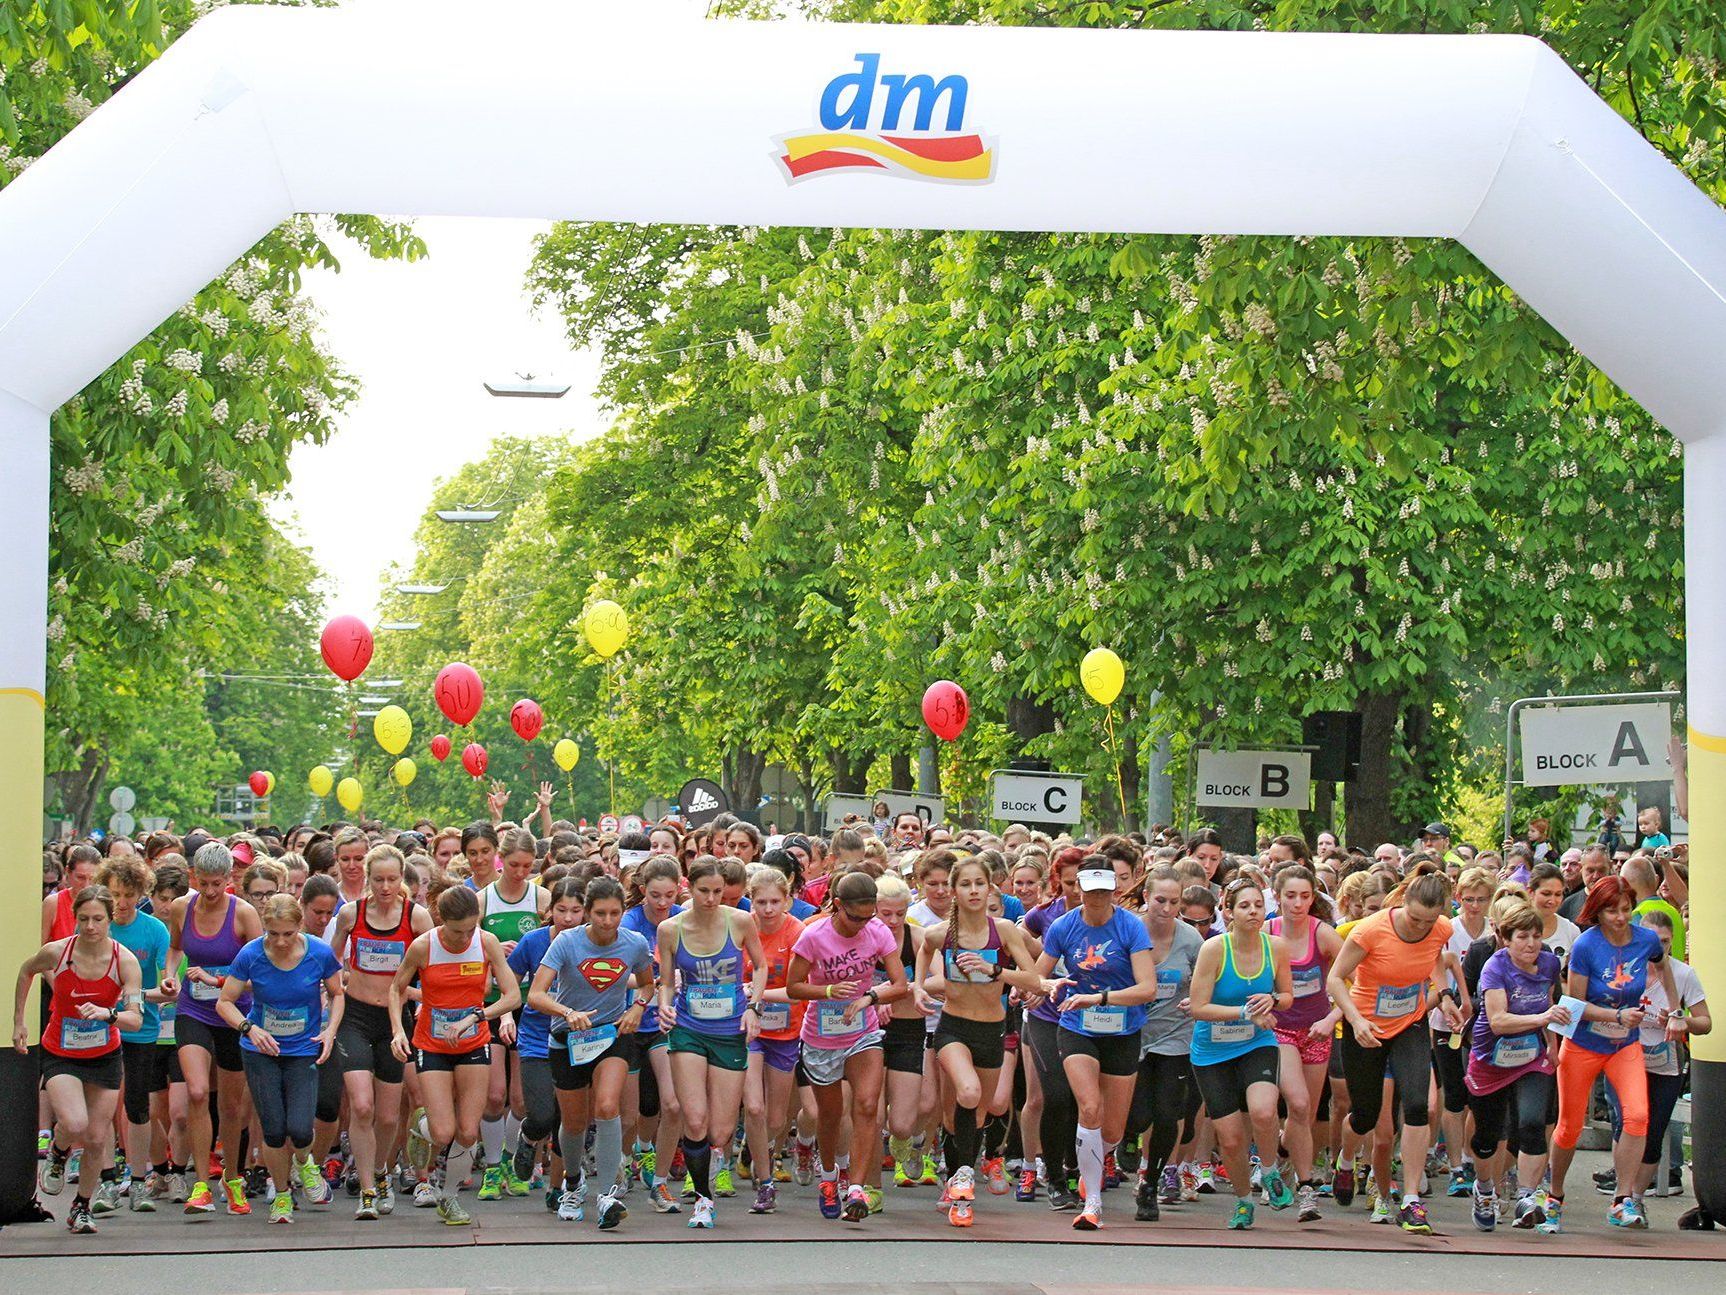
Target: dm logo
(908,126)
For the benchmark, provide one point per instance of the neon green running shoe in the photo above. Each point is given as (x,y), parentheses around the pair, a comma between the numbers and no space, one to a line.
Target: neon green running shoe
(513,1185)
(282,1208)
(647,1166)
(723,1184)
(877,1202)
(491,1184)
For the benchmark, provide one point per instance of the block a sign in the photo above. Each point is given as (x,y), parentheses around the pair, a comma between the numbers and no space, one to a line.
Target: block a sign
(1015,795)
(1565,746)
(1255,779)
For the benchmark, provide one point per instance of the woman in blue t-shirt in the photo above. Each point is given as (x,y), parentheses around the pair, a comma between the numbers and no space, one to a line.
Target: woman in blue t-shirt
(287,1034)
(1111,973)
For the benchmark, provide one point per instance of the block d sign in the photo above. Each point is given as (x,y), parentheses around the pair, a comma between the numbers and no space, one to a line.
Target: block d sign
(1567,745)
(1040,797)
(1255,779)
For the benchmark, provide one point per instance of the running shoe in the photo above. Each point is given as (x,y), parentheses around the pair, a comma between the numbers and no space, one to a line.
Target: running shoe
(1485,1210)
(646,1161)
(959,1214)
(701,1213)
(425,1196)
(1461,1180)
(156,1186)
(829,1194)
(962,1186)
(332,1171)
(79,1220)
(140,1200)
(782,1170)
(570,1207)
(1675,1181)
(723,1183)
(1189,1181)
(1606,1181)
(1531,1209)
(234,1189)
(1277,1193)
(1437,1161)
(900,1177)
(1258,1175)
(1307,1196)
(491,1183)
(688,1187)
(931,1172)
(611,1210)
(1146,1209)
(766,1198)
(256,1179)
(877,1201)
(73,1164)
(1242,1218)
(44,1140)
(1627,1213)
(1060,1199)
(1412,1217)
(1381,1211)
(521,1163)
(1089,1219)
(945,1199)
(1169,1188)
(107,1197)
(1207,1180)
(368,1207)
(313,1188)
(386,1194)
(1111,1171)
(200,1200)
(282,1208)
(450,1211)
(995,1175)
(803,1157)
(856,1204)
(54,1172)
(678,1168)
(1026,1188)
(1342,1185)
(661,1200)
(1553,1223)
(514,1184)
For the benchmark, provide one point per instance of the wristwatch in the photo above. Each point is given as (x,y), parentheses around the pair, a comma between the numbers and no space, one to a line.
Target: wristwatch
(246,1028)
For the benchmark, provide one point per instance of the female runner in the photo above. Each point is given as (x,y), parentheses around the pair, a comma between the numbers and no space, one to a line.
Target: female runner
(455,963)
(1241,980)
(711,1019)
(1305,1029)
(351,848)
(510,907)
(583,987)
(209,927)
(770,1085)
(1474,889)
(968,1043)
(650,1092)
(1165,1100)
(285,1036)
(372,936)
(912,1091)
(1110,975)
(97,993)
(533,1038)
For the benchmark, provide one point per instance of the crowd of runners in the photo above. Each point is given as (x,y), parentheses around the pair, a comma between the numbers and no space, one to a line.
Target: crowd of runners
(676,1017)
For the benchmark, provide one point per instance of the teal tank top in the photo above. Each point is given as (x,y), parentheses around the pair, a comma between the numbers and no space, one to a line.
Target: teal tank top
(1215,1041)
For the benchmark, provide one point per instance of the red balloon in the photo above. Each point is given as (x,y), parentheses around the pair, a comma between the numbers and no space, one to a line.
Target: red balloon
(459,692)
(440,748)
(473,759)
(946,709)
(526,718)
(347,647)
(259,783)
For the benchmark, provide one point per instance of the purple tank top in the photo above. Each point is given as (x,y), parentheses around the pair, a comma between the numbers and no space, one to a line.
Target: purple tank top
(215,954)
(1308,972)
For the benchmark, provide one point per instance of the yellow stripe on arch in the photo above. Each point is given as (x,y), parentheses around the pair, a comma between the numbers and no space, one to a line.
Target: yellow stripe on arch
(1706,940)
(21,719)
(31,693)
(1707,741)
(973,168)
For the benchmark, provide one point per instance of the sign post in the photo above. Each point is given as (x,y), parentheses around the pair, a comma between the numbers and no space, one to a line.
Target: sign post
(1018,794)
(1586,739)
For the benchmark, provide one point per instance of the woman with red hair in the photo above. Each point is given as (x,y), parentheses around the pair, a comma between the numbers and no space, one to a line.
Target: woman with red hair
(1609,973)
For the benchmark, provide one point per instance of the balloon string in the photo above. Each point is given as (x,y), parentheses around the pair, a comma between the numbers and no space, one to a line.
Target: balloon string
(1115,750)
(611,763)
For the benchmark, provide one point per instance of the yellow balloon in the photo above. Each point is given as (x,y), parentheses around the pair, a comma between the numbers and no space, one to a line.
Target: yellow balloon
(566,753)
(606,626)
(349,794)
(270,785)
(404,771)
(1103,675)
(393,729)
(320,780)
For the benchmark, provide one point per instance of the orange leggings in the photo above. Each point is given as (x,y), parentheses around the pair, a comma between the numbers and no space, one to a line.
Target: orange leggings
(1578,1068)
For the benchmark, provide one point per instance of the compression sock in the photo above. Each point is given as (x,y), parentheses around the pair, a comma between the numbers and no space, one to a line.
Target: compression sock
(458,1164)
(994,1135)
(608,1151)
(698,1161)
(491,1140)
(1090,1148)
(966,1135)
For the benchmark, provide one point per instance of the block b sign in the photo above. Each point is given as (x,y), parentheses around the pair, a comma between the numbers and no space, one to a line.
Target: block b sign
(1566,746)
(1255,779)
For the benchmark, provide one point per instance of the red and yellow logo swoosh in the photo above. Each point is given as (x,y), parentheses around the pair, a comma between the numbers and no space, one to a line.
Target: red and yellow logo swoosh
(963,159)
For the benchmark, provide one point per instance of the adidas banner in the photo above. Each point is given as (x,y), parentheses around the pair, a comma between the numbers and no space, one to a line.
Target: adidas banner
(701,801)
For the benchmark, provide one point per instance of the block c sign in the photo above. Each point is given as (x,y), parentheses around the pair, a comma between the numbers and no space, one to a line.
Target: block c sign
(1565,746)
(1255,779)
(1015,795)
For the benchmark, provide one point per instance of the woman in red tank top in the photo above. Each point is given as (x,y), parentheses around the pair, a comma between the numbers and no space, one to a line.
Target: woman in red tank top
(97,992)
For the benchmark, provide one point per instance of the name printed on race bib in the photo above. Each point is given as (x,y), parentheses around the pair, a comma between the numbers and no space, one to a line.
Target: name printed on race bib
(587,1045)
(83,1036)
(1515,1050)
(284,1022)
(1103,1020)
(775,1016)
(382,956)
(713,1002)
(830,1022)
(1168,983)
(447,1023)
(1399,1000)
(1232,1031)
(207,993)
(1308,981)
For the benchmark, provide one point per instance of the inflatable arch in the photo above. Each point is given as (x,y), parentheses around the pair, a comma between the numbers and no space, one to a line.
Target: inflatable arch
(549,110)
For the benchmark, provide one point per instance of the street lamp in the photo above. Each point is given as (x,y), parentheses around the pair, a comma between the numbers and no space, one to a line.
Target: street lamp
(530,387)
(366,714)
(375,701)
(421,589)
(399,625)
(469,514)
(386,683)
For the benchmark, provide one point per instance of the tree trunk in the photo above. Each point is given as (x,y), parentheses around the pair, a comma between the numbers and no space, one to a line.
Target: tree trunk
(1320,817)
(79,788)
(851,771)
(1369,813)
(1027,719)
(1132,783)
(744,767)
(900,775)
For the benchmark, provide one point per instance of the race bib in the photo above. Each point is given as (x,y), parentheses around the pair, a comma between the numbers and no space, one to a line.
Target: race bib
(79,1035)
(381,956)
(775,1016)
(447,1023)
(1103,1020)
(165,1028)
(990,956)
(207,993)
(713,1002)
(1658,1057)
(1609,1029)
(1168,983)
(1399,1000)
(1515,1050)
(284,1022)
(830,1022)
(1308,981)
(1232,1031)
(588,1045)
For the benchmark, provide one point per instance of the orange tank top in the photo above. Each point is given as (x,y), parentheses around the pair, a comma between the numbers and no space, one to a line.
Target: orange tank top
(452,986)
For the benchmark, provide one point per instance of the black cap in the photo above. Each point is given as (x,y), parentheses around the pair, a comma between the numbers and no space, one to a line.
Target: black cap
(1436,829)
